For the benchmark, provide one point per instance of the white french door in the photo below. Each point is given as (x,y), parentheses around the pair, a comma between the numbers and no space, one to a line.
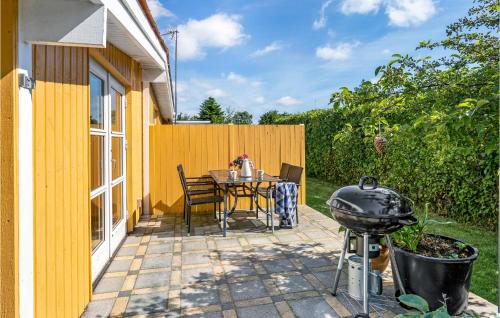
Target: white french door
(107,166)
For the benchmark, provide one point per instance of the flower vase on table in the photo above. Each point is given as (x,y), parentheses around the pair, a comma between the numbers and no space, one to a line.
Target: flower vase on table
(245,165)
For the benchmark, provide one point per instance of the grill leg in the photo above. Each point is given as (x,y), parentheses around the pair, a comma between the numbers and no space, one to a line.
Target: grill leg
(388,241)
(366,263)
(341,262)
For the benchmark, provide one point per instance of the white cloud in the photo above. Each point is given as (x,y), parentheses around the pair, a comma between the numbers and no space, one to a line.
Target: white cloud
(158,10)
(288,101)
(237,78)
(405,13)
(218,31)
(216,92)
(256,84)
(401,13)
(321,21)
(340,52)
(332,33)
(274,46)
(360,6)
(260,99)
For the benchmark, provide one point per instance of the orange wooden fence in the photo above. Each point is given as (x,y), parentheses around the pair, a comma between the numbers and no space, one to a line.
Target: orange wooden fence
(200,148)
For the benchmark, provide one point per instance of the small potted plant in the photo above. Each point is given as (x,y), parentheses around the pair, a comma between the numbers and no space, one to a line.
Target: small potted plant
(435,267)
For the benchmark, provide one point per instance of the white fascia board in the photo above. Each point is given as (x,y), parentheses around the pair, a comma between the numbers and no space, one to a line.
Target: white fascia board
(164,97)
(154,75)
(64,22)
(137,32)
(138,13)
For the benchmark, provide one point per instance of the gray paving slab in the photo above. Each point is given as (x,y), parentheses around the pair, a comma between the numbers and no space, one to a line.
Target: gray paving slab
(279,266)
(292,284)
(150,280)
(248,290)
(119,265)
(199,296)
(147,304)
(200,274)
(198,245)
(315,307)
(195,258)
(261,311)
(160,248)
(239,270)
(313,261)
(99,308)
(109,284)
(227,243)
(161,261)
(217,314)
(127,251)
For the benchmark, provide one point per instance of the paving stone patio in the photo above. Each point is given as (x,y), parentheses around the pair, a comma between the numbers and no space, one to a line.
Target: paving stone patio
(161,272)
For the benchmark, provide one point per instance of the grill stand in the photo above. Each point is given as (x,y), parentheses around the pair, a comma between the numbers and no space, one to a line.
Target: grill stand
(366,236)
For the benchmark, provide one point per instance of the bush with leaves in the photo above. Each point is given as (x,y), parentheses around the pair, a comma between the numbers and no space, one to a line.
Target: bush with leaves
(440,119)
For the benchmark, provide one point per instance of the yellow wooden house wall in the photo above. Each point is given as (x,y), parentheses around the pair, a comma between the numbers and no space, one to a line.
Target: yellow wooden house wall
(200,148)
(62,167)
(9,264)
(154,112)
(61,181)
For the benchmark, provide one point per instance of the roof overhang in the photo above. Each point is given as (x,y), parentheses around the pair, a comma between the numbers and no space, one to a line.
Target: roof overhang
(93,23)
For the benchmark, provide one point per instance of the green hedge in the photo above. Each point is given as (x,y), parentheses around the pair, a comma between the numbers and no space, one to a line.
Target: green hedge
(439,116)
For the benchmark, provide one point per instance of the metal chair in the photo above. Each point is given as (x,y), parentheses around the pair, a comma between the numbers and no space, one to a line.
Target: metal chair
(266,191)
(295,175)
(189,192)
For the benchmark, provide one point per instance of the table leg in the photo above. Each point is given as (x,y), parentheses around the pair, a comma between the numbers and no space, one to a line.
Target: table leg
(225,210)
(271,211)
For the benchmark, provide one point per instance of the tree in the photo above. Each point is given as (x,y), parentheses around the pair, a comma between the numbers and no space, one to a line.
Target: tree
(211,110)
(242,118)
(270,117)
(182,116)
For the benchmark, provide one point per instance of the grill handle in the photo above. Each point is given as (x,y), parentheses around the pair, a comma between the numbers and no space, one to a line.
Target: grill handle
(364,179)
(411,220)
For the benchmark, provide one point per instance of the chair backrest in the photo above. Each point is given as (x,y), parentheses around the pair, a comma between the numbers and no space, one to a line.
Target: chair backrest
(295,174)
(284,171)
(182,177)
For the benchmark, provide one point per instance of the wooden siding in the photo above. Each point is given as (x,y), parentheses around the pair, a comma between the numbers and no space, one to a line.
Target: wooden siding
(154,112)
(61,181)
(9,252)
(134,133)
(204,147)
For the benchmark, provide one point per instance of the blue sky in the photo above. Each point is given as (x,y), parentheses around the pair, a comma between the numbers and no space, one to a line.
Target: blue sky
(290,55)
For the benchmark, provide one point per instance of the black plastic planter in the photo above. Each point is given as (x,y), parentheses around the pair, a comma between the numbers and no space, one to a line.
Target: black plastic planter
(431,278)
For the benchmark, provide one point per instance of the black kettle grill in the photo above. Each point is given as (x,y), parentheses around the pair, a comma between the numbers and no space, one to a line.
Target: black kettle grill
(368,209)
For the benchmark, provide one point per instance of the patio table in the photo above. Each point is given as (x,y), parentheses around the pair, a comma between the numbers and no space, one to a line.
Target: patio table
(224,181)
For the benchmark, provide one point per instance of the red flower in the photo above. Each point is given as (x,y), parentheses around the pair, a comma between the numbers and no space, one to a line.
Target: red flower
(231,163)
(245,156)
(240,158)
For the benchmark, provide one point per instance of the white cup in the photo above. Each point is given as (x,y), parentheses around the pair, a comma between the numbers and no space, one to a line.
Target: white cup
(233,174)
(260,174)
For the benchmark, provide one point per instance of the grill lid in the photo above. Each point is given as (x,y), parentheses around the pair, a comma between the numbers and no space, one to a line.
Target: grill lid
(368,199)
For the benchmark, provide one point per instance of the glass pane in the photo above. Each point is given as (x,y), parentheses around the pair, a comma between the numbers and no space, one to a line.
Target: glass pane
(97,220)
(96,161)
(116,111)
(96,102)
(116,160)
(117,203)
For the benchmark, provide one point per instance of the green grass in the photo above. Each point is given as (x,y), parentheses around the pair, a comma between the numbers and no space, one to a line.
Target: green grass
(485,272)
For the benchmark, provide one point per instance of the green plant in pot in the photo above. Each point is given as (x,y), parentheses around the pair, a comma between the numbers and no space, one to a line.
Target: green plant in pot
(434,267)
